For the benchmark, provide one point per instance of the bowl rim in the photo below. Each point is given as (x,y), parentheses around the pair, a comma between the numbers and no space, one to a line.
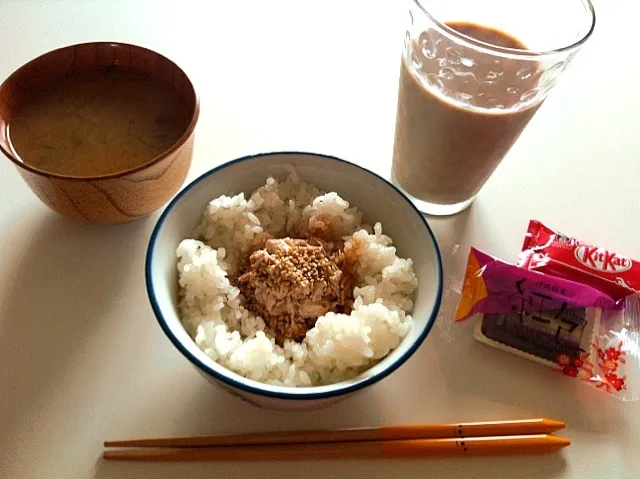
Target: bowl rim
(179,143)
(295,393)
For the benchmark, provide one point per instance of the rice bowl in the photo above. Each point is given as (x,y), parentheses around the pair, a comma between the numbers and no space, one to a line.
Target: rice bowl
(375,197)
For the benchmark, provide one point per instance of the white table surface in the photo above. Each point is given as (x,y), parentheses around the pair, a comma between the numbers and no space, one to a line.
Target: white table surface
(82,358)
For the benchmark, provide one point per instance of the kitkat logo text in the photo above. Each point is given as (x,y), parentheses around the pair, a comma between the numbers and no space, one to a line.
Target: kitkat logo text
(601,259)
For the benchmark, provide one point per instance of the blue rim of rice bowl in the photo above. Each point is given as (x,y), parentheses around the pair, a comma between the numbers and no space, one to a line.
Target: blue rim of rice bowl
(300,393)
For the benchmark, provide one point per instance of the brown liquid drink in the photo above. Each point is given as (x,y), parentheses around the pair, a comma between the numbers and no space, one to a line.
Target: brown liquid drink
(459,112)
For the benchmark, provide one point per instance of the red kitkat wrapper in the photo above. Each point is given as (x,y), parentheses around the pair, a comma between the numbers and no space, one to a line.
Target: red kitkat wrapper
(551,252)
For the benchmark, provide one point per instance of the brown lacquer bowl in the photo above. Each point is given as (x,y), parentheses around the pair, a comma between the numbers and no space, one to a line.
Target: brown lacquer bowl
(120,196)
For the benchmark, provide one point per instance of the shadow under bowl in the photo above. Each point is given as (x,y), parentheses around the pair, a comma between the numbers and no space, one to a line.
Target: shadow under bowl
(118,197)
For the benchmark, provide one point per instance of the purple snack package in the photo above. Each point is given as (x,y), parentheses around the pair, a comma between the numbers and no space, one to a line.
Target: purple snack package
(568,326)
(495,286)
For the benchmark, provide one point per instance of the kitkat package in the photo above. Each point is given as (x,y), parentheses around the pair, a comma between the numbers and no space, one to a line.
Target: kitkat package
(549,251)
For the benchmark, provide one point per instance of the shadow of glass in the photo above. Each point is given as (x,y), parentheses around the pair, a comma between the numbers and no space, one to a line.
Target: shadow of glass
(451,231)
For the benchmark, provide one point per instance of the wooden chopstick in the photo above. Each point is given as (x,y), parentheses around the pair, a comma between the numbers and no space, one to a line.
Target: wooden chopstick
(417,448)
(425,431)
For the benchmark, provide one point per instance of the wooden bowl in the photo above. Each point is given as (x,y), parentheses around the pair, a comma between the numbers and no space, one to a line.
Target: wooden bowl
(119,197)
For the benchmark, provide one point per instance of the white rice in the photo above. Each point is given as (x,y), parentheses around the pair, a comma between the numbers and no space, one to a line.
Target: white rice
(340,346)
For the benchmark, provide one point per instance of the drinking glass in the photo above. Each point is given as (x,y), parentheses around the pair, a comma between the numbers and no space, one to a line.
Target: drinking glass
(473,74)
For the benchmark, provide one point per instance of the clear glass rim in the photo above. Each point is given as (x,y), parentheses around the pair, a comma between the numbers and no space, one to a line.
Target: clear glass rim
(513,52)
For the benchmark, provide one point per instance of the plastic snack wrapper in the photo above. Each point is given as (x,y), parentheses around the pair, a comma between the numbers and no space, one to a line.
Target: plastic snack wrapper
(566,325)
(552,252)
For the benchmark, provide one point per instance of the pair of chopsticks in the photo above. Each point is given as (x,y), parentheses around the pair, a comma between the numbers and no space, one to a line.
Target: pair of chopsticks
(528,436)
